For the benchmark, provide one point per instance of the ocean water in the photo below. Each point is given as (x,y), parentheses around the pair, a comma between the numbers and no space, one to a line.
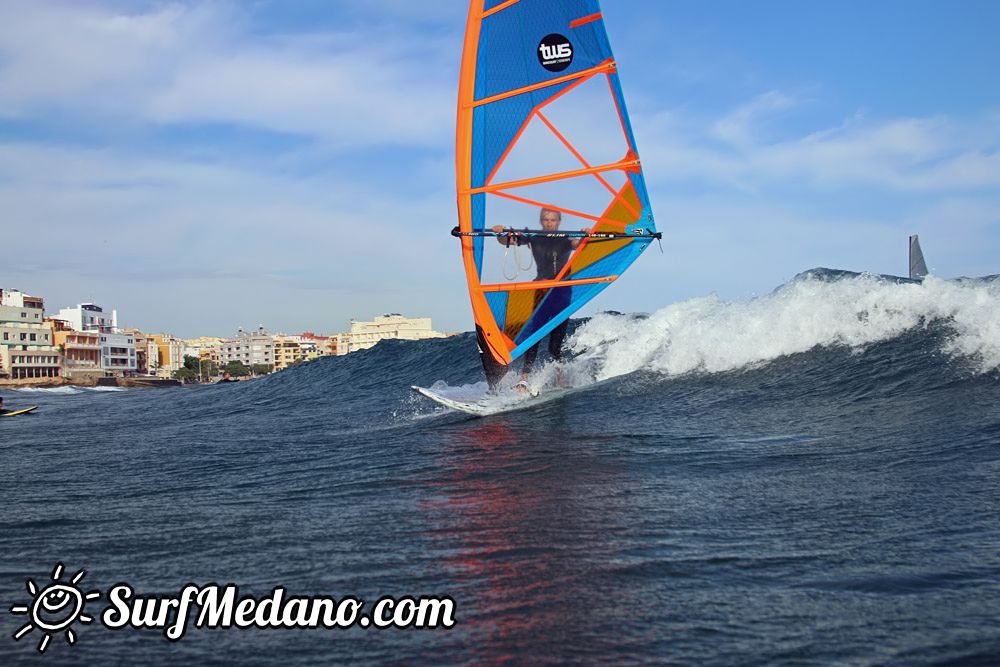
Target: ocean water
(812,477)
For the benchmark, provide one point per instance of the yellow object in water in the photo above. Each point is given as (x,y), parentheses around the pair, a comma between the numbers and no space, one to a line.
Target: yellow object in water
(14,413)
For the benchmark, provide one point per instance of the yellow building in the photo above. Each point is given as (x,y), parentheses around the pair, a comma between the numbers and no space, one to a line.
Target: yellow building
(164,355)
(287,351)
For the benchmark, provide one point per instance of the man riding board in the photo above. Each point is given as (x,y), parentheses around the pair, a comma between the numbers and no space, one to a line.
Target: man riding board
(550,255)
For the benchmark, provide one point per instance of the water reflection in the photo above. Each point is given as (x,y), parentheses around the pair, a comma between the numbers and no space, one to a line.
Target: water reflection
(527,522)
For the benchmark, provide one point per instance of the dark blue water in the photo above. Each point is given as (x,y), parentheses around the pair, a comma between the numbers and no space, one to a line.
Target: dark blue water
(838,505)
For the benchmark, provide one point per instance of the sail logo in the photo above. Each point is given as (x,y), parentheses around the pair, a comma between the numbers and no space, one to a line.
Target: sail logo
(555,52)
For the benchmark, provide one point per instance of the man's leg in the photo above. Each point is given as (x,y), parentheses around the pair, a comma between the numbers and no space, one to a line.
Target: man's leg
(494,371)
(529,361)
(556,340)
(555,349)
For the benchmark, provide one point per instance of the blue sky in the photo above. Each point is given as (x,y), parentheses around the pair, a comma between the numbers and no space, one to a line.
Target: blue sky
(202,166)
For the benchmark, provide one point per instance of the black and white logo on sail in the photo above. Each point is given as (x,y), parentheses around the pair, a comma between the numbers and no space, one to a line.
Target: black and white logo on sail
(555,52)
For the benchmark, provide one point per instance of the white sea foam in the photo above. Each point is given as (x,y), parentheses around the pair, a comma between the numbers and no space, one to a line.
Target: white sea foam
(48,390)
(711,335)
(65,390)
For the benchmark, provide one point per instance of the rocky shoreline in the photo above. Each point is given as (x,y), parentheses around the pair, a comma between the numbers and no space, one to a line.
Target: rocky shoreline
(51,383)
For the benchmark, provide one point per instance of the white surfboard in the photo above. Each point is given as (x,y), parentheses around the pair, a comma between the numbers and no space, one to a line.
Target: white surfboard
(469,407)
(483,404)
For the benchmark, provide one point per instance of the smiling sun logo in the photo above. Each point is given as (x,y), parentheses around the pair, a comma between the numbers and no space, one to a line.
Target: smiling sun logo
(54,608)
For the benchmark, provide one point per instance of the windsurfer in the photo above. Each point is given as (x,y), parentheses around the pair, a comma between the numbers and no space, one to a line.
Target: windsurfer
(550,255)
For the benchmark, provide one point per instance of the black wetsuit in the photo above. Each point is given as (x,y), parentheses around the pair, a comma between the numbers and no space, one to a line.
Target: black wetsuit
(551,255)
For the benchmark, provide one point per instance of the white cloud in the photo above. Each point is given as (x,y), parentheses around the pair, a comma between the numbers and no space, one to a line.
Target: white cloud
(87,59)
(935,154)
(737,128)
(348,99)
(178,64)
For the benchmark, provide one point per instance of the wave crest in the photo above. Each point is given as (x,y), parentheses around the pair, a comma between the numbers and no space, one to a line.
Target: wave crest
(816,309)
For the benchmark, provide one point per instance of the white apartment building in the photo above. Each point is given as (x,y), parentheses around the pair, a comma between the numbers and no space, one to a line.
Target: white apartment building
(88,317)
(364,335)
(27,344)
(249,348)
(118,355)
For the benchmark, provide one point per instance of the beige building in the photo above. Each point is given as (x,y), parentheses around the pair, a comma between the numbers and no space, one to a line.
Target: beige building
(364,335)
(340,344)
(205,348)
(27,345)
(81,351)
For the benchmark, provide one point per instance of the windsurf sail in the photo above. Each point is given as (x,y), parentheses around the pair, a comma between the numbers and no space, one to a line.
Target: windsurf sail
(918,267)
(542,123)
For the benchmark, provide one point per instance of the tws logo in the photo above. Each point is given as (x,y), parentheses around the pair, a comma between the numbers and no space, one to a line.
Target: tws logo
(555,52)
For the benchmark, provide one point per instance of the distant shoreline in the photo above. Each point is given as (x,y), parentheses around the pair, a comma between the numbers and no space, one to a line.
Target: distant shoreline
(53,383)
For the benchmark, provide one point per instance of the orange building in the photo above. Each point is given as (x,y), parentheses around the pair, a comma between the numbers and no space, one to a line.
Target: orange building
(81,351)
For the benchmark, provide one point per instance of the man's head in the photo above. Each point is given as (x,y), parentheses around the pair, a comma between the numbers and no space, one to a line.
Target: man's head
(550,219)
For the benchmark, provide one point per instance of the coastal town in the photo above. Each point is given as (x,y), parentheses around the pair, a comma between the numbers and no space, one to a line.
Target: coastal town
(85,344)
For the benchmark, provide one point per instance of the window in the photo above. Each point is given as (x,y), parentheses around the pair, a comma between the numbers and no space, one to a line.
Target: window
(32,337)
(23,336)
(6,335)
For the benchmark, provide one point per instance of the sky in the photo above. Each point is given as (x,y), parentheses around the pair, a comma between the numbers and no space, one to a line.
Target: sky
(204,166)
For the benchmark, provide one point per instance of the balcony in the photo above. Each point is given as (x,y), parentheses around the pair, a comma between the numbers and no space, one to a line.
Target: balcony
(75,363)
